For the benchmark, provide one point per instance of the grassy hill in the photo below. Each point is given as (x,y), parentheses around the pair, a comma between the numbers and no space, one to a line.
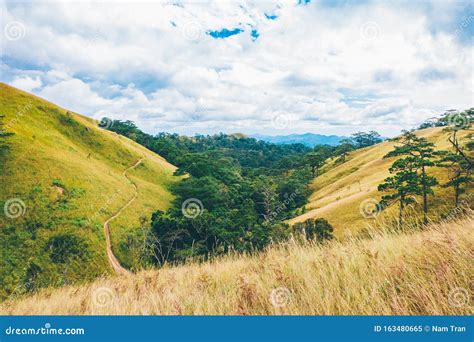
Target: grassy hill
(66,176)
(411,272)
(341,191)
(67,173)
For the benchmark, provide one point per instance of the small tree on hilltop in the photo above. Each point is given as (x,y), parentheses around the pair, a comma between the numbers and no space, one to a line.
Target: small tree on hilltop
(363,139)
(343,149)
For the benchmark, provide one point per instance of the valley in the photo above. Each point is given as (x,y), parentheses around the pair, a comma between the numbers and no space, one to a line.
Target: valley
(103,218)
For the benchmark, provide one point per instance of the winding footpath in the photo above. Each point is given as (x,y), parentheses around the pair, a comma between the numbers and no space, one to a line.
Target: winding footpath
(110,254)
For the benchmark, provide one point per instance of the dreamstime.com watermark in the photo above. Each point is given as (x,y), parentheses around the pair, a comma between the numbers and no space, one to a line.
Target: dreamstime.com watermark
(105,120)
(460,208)
(280,297)
(459,297)
(46,330)
(369,208)
(14,208)
(192,208)
(14,30)
(103,297)
(282,121)
(192,30)
(369,31)
(459,120)
(464,23)
(19,113)
(281,207)
(104,207)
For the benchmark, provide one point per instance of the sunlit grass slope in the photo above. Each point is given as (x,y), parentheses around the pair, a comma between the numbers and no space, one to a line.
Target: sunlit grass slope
(339,192)
(53,145)
(411,272)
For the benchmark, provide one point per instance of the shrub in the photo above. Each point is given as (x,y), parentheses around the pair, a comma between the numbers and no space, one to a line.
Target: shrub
(315,229)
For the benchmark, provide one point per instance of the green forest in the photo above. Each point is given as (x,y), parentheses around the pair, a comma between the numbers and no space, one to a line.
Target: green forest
(235,195)
(238,193)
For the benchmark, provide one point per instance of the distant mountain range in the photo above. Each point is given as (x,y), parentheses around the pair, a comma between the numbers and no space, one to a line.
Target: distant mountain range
(308,139)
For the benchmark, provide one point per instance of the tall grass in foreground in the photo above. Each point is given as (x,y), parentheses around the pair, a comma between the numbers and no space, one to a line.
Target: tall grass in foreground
(418,272)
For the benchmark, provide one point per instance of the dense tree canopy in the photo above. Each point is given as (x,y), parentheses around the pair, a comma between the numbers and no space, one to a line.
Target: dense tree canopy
(238,190)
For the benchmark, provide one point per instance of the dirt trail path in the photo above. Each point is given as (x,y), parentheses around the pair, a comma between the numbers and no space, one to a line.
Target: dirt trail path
(110,254)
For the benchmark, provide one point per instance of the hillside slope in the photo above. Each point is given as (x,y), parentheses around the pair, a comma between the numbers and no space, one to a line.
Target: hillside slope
(62,164)
(421,272)
(342,192)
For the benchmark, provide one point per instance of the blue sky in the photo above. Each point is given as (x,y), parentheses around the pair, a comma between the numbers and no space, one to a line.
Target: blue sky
(269,67)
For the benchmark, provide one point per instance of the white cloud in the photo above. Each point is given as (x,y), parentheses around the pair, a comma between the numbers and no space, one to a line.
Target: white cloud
(75,94)
(332,69)
(26,83)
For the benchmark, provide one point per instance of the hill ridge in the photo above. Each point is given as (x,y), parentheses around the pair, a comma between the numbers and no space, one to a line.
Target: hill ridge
(68,173)
(342,190)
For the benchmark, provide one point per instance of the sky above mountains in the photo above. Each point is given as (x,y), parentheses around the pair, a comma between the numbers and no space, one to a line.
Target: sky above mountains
(268,67)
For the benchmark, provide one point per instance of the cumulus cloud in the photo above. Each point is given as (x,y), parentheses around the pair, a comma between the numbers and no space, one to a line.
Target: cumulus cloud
(74,93)
(26,83)
(329,67)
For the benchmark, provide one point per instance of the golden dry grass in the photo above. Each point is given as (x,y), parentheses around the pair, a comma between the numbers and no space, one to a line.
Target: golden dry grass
(414,272)
(340,191)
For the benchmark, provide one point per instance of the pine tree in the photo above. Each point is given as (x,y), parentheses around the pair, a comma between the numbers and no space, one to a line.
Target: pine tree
(459,173)
(316,161)
(362,139)
(342,150)
(403,186)
(458,161)
(424,155)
